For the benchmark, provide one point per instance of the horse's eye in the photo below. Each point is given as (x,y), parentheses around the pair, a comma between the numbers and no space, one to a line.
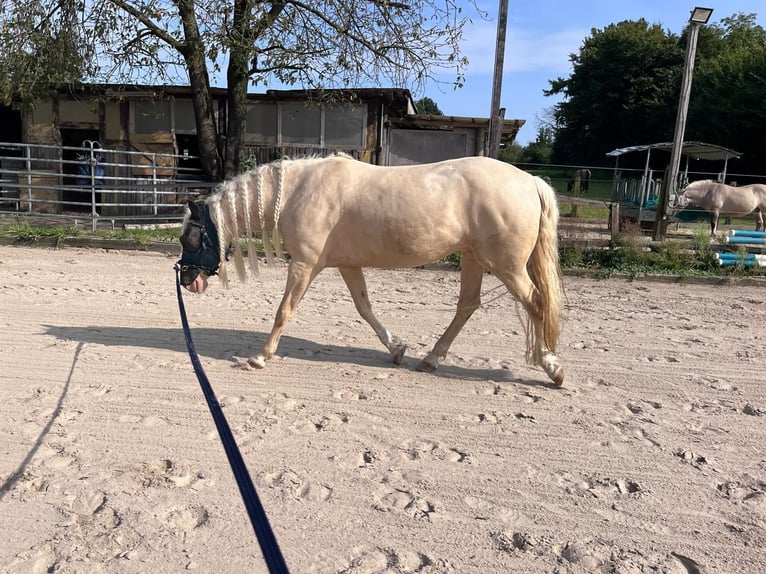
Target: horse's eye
(191,240)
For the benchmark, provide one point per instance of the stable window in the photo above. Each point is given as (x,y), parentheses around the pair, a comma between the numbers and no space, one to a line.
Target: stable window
(163,116)
(184,121)
(151,116)
(300,124)
(344,125)
(262,123)
(306,124)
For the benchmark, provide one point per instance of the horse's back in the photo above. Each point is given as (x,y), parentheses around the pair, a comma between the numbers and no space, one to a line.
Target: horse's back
(715,196)
(367,215)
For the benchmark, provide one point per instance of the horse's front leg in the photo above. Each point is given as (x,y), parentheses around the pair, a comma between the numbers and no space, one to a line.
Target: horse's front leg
(471,276)
(354,278)
(713,223)
(759,221)
(299,277)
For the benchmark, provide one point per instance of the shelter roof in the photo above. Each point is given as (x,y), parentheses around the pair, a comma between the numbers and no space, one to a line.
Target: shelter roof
(695,150)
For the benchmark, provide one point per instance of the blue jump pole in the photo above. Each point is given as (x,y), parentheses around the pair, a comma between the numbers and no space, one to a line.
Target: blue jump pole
(737,256)
(748,260)
(747,233)
(745,263)
(746,239)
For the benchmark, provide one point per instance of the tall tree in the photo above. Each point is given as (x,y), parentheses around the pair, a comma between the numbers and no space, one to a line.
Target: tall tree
(327,44)
(622,91)
(42,49)
(427,106)
(728,106)
(626,80)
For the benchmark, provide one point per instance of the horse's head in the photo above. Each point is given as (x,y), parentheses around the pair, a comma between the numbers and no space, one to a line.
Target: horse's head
(199,242)
(682,200)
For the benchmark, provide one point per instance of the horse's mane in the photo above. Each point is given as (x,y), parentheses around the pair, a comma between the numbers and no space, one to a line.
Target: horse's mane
(244,194)
(701,182)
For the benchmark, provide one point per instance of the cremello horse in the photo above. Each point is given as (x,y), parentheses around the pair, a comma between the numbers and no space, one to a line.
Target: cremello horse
(339,212)
(719,198)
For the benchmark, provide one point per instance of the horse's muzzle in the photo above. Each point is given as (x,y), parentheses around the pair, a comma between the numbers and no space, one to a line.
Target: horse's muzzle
(188,274)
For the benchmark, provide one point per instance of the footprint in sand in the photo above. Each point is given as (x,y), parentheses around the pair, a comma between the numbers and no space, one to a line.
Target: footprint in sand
(749,496)
(484,509)
(350,394)
(387,499)
(418,448)
(293,485)
(629,429)
(165,473)
(593,486)
(186,519)
(373,560)
(148,421)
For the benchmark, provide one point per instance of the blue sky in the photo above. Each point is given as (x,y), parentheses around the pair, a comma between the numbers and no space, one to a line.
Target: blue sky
(541,35)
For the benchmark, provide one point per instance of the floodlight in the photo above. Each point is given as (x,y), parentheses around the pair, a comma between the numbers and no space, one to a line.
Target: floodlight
(700,15)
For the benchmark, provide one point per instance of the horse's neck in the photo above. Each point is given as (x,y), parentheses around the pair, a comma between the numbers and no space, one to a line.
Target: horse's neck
(251,202)
(267,191)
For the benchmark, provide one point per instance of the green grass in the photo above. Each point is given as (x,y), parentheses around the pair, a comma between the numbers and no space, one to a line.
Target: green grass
(628,254)
(24,231)
(631,255)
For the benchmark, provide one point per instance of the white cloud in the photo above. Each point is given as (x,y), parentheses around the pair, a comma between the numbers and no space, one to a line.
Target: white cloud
(525,50)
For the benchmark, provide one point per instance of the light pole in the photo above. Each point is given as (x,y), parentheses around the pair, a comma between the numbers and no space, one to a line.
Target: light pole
(496,115)
(698,17)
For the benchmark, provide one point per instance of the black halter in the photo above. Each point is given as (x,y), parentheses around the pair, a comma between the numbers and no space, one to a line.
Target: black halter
(200,245)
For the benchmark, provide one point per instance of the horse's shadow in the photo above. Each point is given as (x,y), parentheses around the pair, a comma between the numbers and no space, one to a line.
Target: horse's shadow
(227,344)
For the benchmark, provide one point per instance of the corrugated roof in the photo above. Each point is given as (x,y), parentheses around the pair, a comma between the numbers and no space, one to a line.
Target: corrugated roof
(696,150)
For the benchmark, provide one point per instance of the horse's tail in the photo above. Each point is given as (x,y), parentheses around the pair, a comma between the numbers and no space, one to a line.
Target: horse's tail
(545,271)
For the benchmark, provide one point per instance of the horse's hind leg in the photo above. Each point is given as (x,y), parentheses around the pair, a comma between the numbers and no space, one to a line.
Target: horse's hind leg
(471,276)
(523,290)
(354,279)
(299,277)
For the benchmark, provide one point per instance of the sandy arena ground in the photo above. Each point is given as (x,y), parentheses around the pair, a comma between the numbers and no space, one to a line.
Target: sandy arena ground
(650,458)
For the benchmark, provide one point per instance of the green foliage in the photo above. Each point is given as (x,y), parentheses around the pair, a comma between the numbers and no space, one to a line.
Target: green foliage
(728,105)
(630,73)
(26,233)
(629,255)
(626,255)
(42,50)
(625,82)
(539,151)
(250,163)
(428,106)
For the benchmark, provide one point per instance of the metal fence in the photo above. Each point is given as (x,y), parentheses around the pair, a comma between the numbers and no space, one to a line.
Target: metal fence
(96,184)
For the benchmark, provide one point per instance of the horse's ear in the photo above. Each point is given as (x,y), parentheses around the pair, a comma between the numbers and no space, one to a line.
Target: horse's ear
(196,210)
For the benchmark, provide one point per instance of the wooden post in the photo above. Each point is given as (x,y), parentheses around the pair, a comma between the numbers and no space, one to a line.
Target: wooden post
(575,193)
(496,116)
(614,219)
(669,182)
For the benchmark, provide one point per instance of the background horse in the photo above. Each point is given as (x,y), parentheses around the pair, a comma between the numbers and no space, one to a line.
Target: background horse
(339,212)
(719,198)
(581,175)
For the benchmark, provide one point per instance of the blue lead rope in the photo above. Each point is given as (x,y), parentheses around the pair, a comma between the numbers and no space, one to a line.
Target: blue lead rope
(258,519)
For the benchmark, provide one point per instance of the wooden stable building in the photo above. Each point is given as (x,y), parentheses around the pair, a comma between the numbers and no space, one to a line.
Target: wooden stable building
(155,125)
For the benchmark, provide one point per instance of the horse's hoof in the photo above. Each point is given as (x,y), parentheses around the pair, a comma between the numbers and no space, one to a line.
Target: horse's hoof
(557,376)
(399,354)
(425,367)
(258,362)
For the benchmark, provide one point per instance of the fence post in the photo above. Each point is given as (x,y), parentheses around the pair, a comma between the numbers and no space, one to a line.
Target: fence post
(154,182)
(614,219)
(28,164)
(93,211)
